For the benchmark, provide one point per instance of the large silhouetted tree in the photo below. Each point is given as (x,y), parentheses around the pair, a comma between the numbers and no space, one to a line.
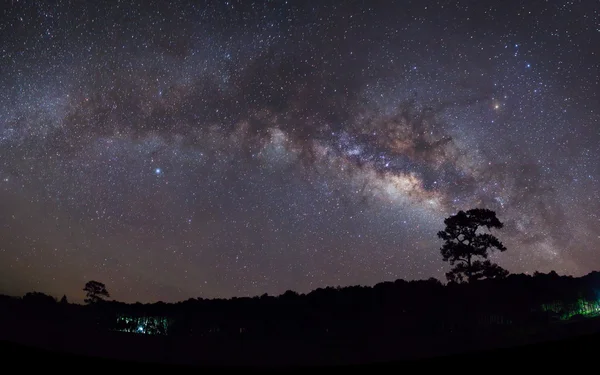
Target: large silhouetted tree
(95,292)
(465,245)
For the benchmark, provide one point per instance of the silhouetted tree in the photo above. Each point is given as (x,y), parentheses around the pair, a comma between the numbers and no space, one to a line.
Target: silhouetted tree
(464,244)
(64,300)
(95,292)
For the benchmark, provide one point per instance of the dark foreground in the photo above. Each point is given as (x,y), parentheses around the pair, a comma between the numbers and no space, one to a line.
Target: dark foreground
(580,350)
(558,341)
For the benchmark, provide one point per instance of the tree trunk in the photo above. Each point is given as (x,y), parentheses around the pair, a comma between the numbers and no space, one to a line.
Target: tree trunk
(469,268)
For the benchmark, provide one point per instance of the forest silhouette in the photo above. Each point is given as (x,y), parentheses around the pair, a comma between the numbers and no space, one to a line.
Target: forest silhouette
(480,305)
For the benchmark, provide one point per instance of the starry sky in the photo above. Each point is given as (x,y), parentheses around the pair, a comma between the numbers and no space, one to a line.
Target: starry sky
(235,148)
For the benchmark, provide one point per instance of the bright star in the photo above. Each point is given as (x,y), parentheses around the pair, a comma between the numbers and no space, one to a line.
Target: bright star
(158,171)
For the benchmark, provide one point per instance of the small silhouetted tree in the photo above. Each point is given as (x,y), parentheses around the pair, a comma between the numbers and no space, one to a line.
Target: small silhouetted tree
(64,300)
(465,245)
(95,292)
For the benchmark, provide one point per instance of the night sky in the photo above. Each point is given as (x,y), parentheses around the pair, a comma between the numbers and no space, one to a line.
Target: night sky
(175,150)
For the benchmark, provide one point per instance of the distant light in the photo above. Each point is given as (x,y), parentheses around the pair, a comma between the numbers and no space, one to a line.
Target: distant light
(140,329)
(158,171)
(529,65)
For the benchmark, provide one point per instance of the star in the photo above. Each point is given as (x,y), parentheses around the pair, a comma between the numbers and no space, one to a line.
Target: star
(281,140)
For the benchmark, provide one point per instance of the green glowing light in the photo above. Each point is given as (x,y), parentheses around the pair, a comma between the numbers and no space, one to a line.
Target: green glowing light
(582,307)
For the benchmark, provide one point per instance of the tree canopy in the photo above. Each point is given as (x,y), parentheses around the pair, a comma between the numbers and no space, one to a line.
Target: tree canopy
(467,247)
(95,292)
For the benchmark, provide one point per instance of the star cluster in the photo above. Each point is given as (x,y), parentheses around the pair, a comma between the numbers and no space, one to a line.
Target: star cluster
(218,149)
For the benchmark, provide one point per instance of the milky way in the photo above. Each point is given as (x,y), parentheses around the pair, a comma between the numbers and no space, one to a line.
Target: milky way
(238,148)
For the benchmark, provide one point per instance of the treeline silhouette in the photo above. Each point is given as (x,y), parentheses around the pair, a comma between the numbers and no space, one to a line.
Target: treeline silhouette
(419,317)
(482,305)
(396,308)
